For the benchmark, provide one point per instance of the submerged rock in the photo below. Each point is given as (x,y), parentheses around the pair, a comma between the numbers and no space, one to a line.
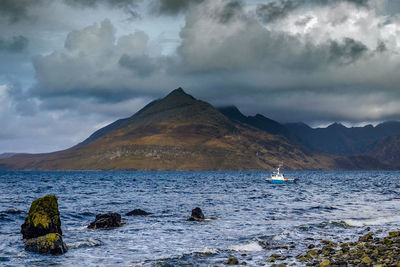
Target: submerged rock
(51,243)
(138,212)
(43,218)
(232,261)
(106,221)
(41,230)
(197,215)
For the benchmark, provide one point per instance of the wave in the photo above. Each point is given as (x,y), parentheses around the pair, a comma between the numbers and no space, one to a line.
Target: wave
(323,208)
(250,247)
(283,235)
(12,211)
(207,251)
(86,243)
(374,221)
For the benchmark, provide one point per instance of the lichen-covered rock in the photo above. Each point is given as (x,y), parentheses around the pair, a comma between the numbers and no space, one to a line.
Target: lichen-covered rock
(43,218)
(51,244)
(366,237)
(41,230)
(197,215)
(366,260)
(394,234)
(325,263)
(138,212)
(232,261)
(368,251)
(106,221)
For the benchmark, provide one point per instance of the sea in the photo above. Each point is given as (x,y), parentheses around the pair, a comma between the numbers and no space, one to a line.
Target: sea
(247,217)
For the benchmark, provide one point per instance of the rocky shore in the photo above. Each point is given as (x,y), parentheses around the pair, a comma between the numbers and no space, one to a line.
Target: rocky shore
(42,233)
(369,250)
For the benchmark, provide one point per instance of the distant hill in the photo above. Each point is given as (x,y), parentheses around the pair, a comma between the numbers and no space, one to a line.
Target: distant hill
(257,121)
(386,150)
(6,155)
(340,140)
(179,132)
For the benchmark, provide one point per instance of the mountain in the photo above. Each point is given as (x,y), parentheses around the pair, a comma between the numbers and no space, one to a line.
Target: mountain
(340,140)
(177,132)
(386,150)
(257,121)
(6,155)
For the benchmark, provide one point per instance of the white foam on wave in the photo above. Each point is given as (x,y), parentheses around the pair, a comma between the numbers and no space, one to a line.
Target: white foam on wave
(374,221)
(253,246)
(207,251)
(281,236)
(86,243)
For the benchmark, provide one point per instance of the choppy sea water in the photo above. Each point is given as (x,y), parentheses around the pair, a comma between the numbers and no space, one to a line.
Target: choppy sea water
(249,218)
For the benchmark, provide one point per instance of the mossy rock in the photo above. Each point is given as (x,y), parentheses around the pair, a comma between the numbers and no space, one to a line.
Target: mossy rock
(232,261)
(366,237)
(313,253)
(325,263)
(43,218)
(394,234)
(366,260)
(47,244)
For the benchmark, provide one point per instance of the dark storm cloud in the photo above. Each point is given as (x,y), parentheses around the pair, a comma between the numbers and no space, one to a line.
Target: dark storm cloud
(174,7)
(141,65)
(94,64)
(381,47)
(16,10)
(275,10)
(249,46)
(346,52)
(363,3)
(16,44)
(228,55)
(128,6)
(22,103)
(230,10)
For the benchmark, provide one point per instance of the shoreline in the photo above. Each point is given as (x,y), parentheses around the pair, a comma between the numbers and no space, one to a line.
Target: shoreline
(368,250)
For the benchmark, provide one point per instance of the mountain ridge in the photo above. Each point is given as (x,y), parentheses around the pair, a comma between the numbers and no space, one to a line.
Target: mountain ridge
(338,139)
(180,132)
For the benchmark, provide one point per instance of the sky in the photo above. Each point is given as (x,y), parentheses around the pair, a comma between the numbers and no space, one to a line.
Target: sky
(70,67)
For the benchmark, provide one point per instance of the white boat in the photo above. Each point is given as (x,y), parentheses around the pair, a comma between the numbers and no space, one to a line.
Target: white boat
(278,178)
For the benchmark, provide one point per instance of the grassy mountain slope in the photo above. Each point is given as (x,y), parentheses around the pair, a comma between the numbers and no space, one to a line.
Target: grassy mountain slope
(180,132)
(176,132)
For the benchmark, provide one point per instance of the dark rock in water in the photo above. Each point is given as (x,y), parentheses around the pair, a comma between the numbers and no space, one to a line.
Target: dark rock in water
(138,212)
(366,237)
(232,261)
(13,211)
(49,244)
(106,221)
(43,218)
(42,227)
(197,215)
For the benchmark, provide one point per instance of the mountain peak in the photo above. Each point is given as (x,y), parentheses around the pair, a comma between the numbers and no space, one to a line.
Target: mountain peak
(179,93)
(336,125)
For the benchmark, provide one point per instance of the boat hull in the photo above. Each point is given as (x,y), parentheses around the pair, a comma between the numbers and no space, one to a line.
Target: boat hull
(286,181)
